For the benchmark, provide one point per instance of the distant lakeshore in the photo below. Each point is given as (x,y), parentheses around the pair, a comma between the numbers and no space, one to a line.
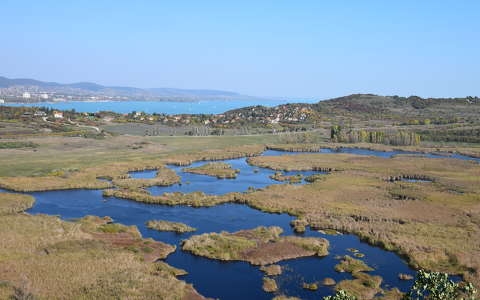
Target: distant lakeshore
(165,107)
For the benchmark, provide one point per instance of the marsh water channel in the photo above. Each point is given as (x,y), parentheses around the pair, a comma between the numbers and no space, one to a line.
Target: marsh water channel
(230,280)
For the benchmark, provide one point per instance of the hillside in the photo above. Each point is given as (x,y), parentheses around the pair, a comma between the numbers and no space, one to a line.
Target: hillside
(370,107)
(13,89)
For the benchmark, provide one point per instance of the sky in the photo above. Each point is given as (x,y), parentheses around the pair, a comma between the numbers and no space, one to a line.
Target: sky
(294,49)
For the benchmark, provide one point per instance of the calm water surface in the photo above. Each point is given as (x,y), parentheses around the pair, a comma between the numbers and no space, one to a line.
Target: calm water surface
(201,107)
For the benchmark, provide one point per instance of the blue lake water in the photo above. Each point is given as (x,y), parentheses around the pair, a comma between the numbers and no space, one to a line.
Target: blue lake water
(201,107)
(249,176)
(215,278)
(228,280)
(386,154)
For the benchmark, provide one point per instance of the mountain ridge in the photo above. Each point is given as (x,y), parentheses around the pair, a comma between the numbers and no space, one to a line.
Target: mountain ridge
(27,84)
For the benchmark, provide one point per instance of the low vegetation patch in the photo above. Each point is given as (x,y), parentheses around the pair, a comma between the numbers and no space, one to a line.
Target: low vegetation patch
(283,297)
(87,178)
(269,285)
(162,225)
(299,225)
(352,265)
(363,287)
(161,266)
(279,176)
(357,199)
(195,199)
(328,282)
(17,145)
(43,257)
(14,203)
(165,177)
(259,246)
(310,286)
(216,169)
(271,270)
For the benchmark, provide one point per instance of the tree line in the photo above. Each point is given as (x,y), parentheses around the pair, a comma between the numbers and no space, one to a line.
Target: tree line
(340,134)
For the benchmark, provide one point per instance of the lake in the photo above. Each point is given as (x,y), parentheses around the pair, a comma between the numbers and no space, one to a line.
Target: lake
(201,107)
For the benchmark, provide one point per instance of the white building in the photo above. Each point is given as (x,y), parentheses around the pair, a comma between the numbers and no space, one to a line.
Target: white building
(44,96)
(2,101)
(26,95)
(40,113)
(58,115)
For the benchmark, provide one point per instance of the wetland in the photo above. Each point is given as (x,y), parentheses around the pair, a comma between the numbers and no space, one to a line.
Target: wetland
(229,245)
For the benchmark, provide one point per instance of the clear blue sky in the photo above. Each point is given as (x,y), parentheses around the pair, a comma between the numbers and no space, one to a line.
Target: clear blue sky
(265,48)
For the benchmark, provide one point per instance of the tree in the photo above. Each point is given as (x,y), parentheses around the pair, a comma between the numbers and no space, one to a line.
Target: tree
(437,286)
(340,295)
(427,286)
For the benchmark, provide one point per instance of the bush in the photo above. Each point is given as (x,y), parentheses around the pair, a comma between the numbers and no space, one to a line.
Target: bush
(340,295)
(437,286)
(16,145)
(431,286)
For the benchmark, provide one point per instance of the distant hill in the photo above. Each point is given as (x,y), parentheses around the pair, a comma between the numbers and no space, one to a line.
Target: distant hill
(365,107)
(93,89)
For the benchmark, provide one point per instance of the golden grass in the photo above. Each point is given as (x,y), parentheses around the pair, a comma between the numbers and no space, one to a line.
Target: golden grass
(358,198)
(259,246)
(279,176)
(469,150)
(88,178)
(195,199)
(352,265)
(271,270)
(165,177)
(283,297)
(66,153)
(431,224)
(162,225)
(269,285)
(49,258)
(14,203)
(364,286)
(215,169)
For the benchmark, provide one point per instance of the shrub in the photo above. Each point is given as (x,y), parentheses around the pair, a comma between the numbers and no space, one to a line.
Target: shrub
(437,286)
(340,295)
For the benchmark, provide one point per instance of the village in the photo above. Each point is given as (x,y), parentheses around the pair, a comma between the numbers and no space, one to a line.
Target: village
(258,116)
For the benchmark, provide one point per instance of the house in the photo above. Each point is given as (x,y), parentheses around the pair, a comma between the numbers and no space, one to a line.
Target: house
(26,95)
(58,115)
(108,119)
(40,113)
(2,101)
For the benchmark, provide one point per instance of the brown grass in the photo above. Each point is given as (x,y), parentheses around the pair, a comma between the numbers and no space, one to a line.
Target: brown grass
(424,148)
(364,286)
(14,203)
(165,177)
(352,265)
(52,259)
(215,169)
(259,246)
(87,178)
(431,224)
(269,285)
(271,270)
(162,225)
(195,199)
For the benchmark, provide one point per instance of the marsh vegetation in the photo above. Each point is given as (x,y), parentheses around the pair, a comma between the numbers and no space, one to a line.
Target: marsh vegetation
(259,246)
(162,225)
